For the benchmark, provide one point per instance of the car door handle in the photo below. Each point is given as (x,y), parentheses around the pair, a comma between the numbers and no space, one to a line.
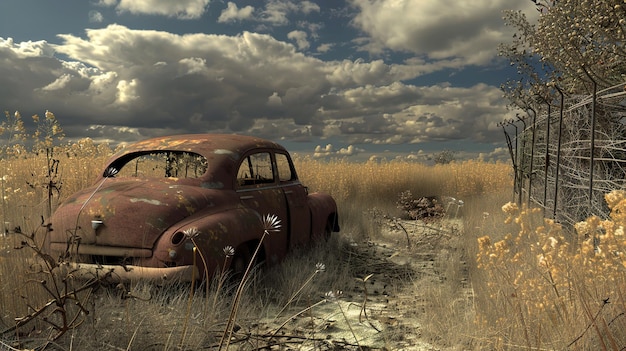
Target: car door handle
(288,191)
(246,197)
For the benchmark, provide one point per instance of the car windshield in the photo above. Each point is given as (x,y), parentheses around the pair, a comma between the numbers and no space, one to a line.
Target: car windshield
(176,164)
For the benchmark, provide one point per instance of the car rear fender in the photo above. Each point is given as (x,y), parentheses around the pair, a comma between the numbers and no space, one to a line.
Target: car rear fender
(323,214)
(212,234)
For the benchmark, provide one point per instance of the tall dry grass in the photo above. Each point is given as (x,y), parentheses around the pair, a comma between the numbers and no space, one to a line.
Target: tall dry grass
(531,285)
(360,188)
(28,177)
(385,180)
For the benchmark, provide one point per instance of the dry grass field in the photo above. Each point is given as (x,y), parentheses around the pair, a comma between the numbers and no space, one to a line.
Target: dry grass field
(477,278)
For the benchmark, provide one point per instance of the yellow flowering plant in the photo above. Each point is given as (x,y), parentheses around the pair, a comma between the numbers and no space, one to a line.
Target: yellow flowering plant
(548,286)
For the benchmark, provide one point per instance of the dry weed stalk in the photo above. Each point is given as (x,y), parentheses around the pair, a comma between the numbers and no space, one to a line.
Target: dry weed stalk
(363,311)
(64,309)
(334,297)
(319,267)
(271,223)
(222,277)
(190,300)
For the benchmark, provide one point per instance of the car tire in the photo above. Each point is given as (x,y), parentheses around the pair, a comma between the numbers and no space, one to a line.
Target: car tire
(328,230)
(240,262)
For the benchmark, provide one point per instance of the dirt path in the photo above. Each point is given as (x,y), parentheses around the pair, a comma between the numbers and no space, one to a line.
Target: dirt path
(384,308)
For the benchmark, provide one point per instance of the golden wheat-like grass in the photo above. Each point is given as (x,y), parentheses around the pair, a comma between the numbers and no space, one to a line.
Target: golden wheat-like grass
(385,180)
(535,284)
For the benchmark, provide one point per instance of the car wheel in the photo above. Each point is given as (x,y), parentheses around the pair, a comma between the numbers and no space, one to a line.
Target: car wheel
(328,229)
(240,262)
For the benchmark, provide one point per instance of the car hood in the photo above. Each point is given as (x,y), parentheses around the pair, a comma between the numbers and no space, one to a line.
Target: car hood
(128,213)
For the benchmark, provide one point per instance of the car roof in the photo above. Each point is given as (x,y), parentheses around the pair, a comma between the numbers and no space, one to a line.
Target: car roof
(204,144)
(222,151)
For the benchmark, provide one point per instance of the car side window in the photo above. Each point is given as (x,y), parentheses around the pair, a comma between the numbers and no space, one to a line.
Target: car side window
(256,169)
(170,164)
(283,165)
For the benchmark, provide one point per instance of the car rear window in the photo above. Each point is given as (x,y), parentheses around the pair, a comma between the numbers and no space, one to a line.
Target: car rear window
(175,164)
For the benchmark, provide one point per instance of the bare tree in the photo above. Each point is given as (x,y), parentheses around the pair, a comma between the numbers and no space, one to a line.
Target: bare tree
(571,65)
(573,43)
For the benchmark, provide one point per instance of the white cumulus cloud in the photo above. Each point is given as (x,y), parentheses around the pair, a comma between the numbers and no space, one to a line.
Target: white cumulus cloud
(59,83)
(181,9)
(351,150)
(127,91)
(300,38)
(95,16)
(161,82)
(232,13)
(438,29)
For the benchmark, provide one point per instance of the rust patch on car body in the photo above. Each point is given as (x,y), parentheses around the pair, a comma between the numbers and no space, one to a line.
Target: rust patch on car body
(153,193)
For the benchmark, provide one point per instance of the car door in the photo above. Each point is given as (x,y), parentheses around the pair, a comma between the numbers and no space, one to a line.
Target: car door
(296,197)
(258,189)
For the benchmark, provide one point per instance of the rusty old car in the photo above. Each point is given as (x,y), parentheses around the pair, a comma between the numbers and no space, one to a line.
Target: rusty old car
(167,208)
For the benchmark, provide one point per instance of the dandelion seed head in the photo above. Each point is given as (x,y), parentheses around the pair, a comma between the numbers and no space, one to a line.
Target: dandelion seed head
(333,295)
(320,267)
(110,172)
(191,232)
(229,251)
(271,223)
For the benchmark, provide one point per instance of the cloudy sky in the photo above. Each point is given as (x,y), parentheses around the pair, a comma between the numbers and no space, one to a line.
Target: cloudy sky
(342,77)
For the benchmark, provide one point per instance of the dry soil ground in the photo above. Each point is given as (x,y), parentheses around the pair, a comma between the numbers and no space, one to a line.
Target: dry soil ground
(387,305)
